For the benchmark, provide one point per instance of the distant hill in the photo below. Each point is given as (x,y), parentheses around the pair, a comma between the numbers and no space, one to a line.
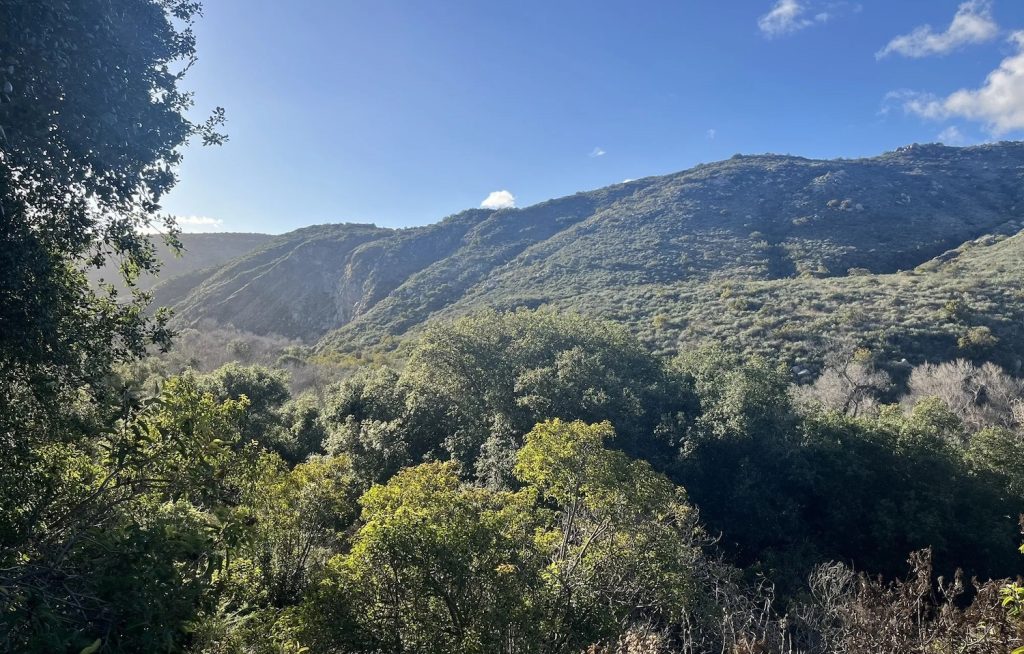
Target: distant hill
(199,252)
(289,286)
(765,251)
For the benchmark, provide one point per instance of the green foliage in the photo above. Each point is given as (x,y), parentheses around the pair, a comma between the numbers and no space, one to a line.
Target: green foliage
(487,379)
(977,340)
(286,526)
(1013,600)
(593,538)
(1000,452)
(266,392)
(146,510)
(90,132)
(105,536)
(784,489)
(529,366)
(123,543)
(436,567)
(366,419)
(300,515)
(905,482)
(207,522)
(306,430)
(738,399)
(622,539)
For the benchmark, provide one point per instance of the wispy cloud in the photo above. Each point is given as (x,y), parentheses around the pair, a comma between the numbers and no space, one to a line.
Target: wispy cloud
(973,23)
(912,102)
(189,225)
(951,136)
(199,224)
(711,134)
(789,16)
(785,17)
(596,152)
(499,200)
(998,103)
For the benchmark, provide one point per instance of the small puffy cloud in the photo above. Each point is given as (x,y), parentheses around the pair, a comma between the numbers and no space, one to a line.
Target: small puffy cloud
(711,134)
(789,16)
(596,152)
(499,200)
(973,23)
(998,103)
(951,136)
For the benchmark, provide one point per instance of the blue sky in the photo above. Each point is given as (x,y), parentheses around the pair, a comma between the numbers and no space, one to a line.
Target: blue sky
(400,112)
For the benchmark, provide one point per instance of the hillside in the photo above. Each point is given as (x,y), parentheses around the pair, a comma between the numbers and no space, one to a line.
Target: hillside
(199,252)
(286,287)
(730,250)
(927,313)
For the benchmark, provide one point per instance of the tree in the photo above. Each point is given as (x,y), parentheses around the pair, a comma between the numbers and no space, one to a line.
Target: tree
(512,370)
(738,399)
(306,429)
(783,489)
(621,546)
(266,391)
(979,396)
(496,464)
(285,527)
(436,566)
(849,383)
(592,543)
(904,481)
(120,542)
(977,340)
(92,122)
(1000,452)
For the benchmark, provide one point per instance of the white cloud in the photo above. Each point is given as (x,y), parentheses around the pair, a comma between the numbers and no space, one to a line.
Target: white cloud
(913,102)
(499,200)
(999,103)
(789,16)
(199,224)
(597,152)
(786,17)
(973,23)
(188,225)
(951,136)
(711,134)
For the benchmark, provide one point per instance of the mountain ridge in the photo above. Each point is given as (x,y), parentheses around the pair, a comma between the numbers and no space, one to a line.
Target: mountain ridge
(751,218)
(201,251)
